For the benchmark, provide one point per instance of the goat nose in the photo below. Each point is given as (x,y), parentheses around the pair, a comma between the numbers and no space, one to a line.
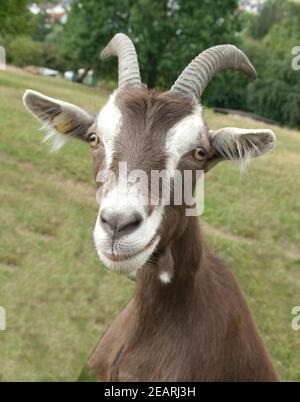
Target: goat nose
(120,224)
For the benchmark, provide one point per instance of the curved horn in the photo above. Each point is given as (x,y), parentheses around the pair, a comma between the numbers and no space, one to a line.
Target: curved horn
(196,76)
(122,47)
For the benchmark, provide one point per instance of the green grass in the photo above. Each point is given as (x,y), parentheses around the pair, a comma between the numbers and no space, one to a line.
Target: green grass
(59,298)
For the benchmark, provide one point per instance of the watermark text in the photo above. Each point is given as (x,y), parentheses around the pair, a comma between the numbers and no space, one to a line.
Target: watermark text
(296,59)
(2,319)
(158,187)
(2,58)
(296,319)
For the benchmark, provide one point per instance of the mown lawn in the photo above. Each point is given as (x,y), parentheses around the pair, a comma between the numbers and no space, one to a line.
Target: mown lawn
(58,297)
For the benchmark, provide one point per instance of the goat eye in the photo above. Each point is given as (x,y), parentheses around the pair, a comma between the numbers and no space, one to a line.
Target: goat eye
(199,153)
(93,140)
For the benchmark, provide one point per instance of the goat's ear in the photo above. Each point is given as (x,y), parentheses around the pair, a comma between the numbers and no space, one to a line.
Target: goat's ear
(61,120)
(239,144)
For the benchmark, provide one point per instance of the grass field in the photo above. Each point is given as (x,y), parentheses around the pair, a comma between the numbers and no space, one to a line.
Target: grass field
(58,297)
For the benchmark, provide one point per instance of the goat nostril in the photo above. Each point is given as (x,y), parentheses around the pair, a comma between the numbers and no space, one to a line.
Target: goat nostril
(102,219)
(130,223)
(118,223)
(109,220)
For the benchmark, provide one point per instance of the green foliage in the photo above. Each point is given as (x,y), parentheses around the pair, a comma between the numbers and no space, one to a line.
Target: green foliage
(173,38)
(285,34)
(276,93)
(23,51)
(14,17)
(85,32)
(268,40)
(40,27)
(167,34)
(272,12)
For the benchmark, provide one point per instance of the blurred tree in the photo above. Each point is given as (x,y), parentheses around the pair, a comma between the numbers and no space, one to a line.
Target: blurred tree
(23,51)
(13,17)
(167,33)
(276,93)
(89,25)
(285,34)
(49,34)
(268,40)
(272,12)
(40,26)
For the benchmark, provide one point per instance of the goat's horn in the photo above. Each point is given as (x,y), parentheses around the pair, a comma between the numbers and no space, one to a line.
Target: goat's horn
(196,76)
(122,47)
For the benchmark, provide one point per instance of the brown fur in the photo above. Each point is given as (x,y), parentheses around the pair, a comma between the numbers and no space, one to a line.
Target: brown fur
(198,327)
(147,117)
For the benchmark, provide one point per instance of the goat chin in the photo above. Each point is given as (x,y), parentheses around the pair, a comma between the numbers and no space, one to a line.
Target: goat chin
(127,264)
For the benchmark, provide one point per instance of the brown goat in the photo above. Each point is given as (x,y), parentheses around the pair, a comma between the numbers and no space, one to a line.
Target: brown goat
(195,328)
(198,328)
(188,320)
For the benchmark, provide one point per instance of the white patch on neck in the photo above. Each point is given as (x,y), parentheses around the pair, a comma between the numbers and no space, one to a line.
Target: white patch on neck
(165,277)
(182,137)
(109,124)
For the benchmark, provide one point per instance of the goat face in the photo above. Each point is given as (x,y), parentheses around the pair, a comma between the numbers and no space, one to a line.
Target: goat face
(152,132)
(144,131)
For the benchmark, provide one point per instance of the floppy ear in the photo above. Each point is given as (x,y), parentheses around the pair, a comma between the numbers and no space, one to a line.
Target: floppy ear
(61,120)
(239,144)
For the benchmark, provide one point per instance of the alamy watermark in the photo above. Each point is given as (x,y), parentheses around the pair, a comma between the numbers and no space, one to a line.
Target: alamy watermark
(296,319)
(2,319)
(157,187)
(2,58)
(296,59)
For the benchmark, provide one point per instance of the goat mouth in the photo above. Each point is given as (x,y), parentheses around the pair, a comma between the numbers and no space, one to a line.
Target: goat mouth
(128,256)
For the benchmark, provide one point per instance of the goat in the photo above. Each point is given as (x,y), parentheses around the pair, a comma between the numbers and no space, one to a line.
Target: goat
(188,320)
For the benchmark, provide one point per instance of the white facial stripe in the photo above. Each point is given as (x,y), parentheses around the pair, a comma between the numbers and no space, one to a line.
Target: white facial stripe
(143,241)
(182,137)
(109,124)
